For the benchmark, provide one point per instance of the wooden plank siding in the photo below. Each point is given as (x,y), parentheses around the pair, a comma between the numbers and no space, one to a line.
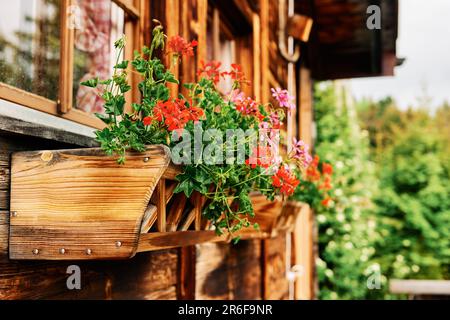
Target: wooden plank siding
(147,276)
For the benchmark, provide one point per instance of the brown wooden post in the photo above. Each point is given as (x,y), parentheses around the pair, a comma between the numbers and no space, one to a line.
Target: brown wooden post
(303,234)
(265,55)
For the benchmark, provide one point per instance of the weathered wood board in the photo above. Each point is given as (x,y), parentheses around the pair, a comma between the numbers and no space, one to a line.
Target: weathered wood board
(229,271)
(276,285)
(80,204)
(151,275)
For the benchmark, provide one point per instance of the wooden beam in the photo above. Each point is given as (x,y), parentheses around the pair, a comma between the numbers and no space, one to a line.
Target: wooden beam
(175,214)
(66,58)
(129,8)
(303,255)
(257,57)
(187,273)
(420,287)
(166,240)
(303,233)
(265,55)
(21,97)
(306,106)
(202,23)
(161,205)
(173,29)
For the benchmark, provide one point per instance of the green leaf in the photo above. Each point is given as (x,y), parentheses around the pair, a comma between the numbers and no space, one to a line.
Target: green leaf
(169,77)
(136,107)
(106,82)
(186,186)
(92,83)
(106,119)
(122,65)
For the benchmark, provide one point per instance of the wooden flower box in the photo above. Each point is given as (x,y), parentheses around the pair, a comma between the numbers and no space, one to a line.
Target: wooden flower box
(82,205)
(275,217)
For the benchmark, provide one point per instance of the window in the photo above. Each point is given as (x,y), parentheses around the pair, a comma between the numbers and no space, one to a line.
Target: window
(230,40)
(101,23)
(222,46)
(30,46)
(47,47)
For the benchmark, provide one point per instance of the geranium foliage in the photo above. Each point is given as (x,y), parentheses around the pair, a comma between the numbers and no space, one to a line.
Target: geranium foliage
(214,172)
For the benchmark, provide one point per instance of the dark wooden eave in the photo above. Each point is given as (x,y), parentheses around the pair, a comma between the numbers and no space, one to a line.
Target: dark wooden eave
(341,46)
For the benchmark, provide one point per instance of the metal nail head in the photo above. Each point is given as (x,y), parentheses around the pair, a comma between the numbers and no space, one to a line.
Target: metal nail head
(35,251)
(62,251)
(14,214)
(118,244)
(88,252)
(146,159)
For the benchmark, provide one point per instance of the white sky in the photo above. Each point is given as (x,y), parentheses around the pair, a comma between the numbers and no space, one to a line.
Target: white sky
(424,40)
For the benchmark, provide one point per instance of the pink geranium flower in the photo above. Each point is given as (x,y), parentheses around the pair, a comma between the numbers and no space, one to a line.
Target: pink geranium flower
(275,120)
(284,98)
(300,152)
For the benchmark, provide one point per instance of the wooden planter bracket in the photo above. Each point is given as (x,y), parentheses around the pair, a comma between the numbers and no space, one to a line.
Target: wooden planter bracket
(81,205)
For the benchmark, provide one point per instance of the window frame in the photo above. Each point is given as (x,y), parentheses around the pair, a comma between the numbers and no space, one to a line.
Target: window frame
(134,25)
(243,44)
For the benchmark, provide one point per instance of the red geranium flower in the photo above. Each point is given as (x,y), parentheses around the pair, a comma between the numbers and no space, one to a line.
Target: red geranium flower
(211,71)
(147,121)
(326,201)
(260,156)
(237,74)
(312,173)
(175,114)
(327,168)
(285,180)
(196,113)
(178,45)
(326,185)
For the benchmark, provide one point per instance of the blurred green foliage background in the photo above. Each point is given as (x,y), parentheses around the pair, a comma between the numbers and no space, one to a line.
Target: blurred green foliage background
(391,213)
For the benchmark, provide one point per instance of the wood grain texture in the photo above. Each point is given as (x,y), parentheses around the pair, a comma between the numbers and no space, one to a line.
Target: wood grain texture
(225,271)
(148,276)
(101,203)
(161,205)
(275,278)
(303,240)
(175,214)
(266,212)
(149,219)
(4,231)
(289,214)
(166,240)
(186,273)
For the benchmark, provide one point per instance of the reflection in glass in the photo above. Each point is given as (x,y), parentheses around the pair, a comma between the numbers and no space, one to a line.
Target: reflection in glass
(30,46)
(102,23)
(221,47)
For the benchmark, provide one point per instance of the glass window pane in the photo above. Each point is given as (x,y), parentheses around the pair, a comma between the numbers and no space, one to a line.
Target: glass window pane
(220,47)
(101,24)
(30,46)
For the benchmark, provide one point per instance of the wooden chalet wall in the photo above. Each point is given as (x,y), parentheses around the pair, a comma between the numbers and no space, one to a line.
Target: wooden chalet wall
(254,269)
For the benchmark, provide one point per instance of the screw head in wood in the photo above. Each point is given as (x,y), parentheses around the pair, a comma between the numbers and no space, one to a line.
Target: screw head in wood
(35,251)
(14,214)
(62,251)
(146,159)
(118,244)
(88,252)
